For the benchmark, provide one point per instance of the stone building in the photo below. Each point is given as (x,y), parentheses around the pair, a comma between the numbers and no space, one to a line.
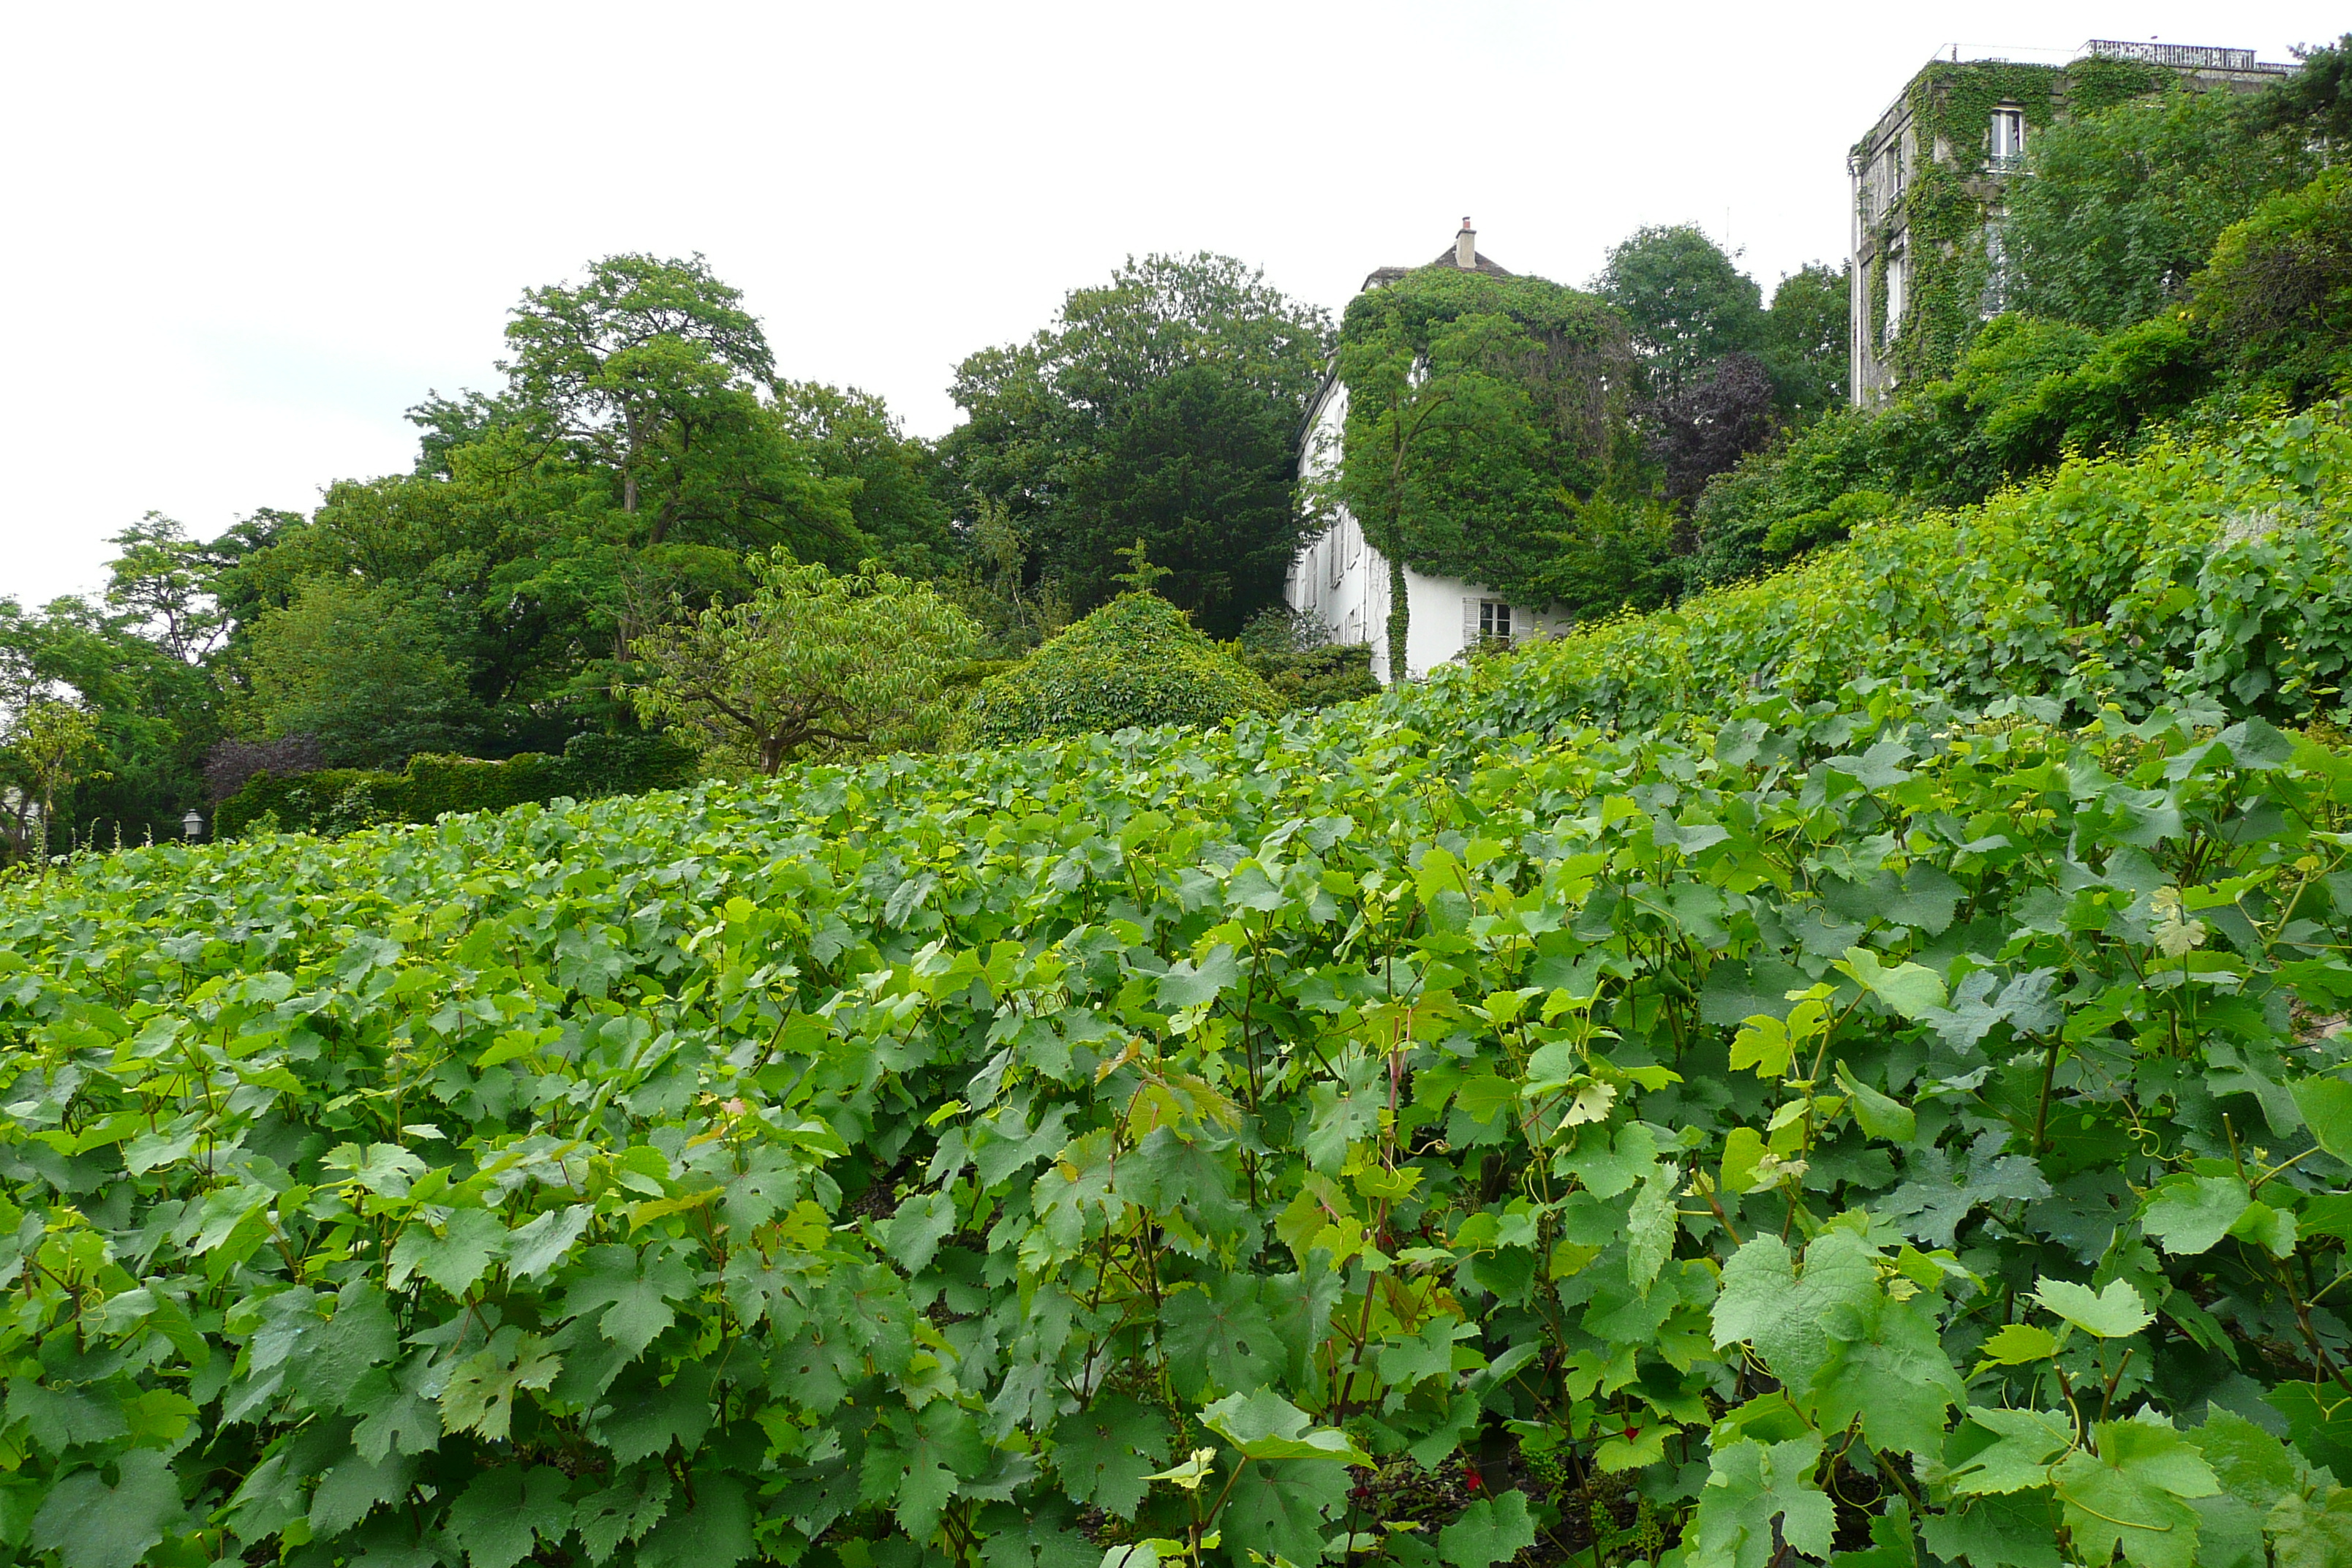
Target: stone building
(1343,582)
(1929,184)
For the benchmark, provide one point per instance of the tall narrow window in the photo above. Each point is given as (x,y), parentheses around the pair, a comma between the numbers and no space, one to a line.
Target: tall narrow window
(2008,137)
(1895,270)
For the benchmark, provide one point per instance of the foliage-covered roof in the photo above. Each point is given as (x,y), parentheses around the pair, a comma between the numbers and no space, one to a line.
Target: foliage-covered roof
(1137,660)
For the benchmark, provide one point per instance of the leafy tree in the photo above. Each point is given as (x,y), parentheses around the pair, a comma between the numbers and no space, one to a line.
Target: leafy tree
(1165,403)
(1480,410)
(366,670)
(47,747)
(2124,206)
(1714,421)
(1685,304)
(1806,341)
(2277,295)
(2313,102)
(812,664)
(896,506)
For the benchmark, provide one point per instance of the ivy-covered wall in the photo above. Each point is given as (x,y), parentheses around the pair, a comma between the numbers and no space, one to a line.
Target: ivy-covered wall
(1940,220)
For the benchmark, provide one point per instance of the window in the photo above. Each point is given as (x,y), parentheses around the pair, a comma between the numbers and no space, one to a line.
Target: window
(1895,270)
(1996,288)
(1485,621)
(1331,544)
(2008,136)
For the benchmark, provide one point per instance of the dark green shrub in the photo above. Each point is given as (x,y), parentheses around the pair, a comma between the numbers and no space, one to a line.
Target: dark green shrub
(1137,660)
(1317,676)
(339,800)
(2278,292)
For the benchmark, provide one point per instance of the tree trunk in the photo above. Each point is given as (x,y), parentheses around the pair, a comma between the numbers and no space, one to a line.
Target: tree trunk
(1400,619)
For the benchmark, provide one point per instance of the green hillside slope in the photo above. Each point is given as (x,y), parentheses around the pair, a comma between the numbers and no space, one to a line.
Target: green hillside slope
(1777,1129)
(2211,575)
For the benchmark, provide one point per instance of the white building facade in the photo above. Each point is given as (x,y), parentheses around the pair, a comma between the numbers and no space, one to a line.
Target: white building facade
(1343,582)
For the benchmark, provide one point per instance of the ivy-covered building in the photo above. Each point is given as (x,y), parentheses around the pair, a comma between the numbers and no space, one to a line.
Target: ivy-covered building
(1345,582)
(1929,184)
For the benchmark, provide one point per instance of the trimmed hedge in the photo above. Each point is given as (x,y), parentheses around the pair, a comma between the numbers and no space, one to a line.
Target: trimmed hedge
(1135,661)
(338,800)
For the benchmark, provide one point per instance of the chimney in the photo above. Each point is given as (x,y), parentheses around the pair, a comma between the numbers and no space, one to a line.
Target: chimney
(1465,247)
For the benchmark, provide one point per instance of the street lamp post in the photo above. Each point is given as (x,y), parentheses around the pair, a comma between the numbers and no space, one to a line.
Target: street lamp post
(192,825)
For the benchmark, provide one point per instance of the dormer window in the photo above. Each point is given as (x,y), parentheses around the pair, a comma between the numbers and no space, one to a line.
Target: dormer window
(2008,137)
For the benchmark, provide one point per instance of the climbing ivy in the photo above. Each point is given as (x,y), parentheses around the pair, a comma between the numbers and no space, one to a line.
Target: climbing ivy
(1944,205)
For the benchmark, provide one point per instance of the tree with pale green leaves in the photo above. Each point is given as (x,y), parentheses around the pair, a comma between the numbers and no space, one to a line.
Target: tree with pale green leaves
(812,664)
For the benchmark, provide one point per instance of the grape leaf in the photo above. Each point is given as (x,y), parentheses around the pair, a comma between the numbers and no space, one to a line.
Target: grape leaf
(1281,1508)
(1103,1452)
(1490,1530)
(1220,1338)
(89,1524)
(497,1515)
(632,1291)
(453,1259)
(2111,1313)
(2187,1214)
(713,1532)
(326,1369)
(1265,1425)
(912,1236)
(1751,1487)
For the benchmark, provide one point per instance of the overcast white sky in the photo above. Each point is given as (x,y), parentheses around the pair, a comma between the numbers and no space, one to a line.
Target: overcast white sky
(247,238)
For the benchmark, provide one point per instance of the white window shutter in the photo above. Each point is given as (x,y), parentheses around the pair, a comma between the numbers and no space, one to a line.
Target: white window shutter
(1469,623)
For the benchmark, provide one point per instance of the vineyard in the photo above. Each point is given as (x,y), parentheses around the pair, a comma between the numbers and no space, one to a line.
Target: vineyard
(1850,1072)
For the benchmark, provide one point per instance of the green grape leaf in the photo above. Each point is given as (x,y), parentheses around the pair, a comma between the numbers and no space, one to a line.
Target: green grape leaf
(1649,1226)
(1765,1302)
(712,1532)
(912,1236)
(1880,1115)
(2249,1464)
(461,1254)
(325,1371)
(2018,1344)
(1282,1509)
(2132,1494)
(632,1289)
(497,1515)
(395,1413)
(2308,1532)
(622,1511)
(1427,1354)
(2327,1106)
(2018,1531)
(1750,1488)
(59,1418)
(1186,986)
(537,1247)
(1885,1364)
(1490,1530)
(356,1486)
(1909,989)
(1265,1425)
(2187,1214)
(914,1463)
(2111,1313)
(90,1524)
(480,1394)
(1220,1338)
(1998,1451)
(646,1416)
(1104,1452)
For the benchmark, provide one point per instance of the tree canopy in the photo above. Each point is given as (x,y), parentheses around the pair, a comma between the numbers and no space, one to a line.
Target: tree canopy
(1165,404)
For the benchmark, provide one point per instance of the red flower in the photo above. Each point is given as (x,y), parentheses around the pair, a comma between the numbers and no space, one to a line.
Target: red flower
(1473,1481)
